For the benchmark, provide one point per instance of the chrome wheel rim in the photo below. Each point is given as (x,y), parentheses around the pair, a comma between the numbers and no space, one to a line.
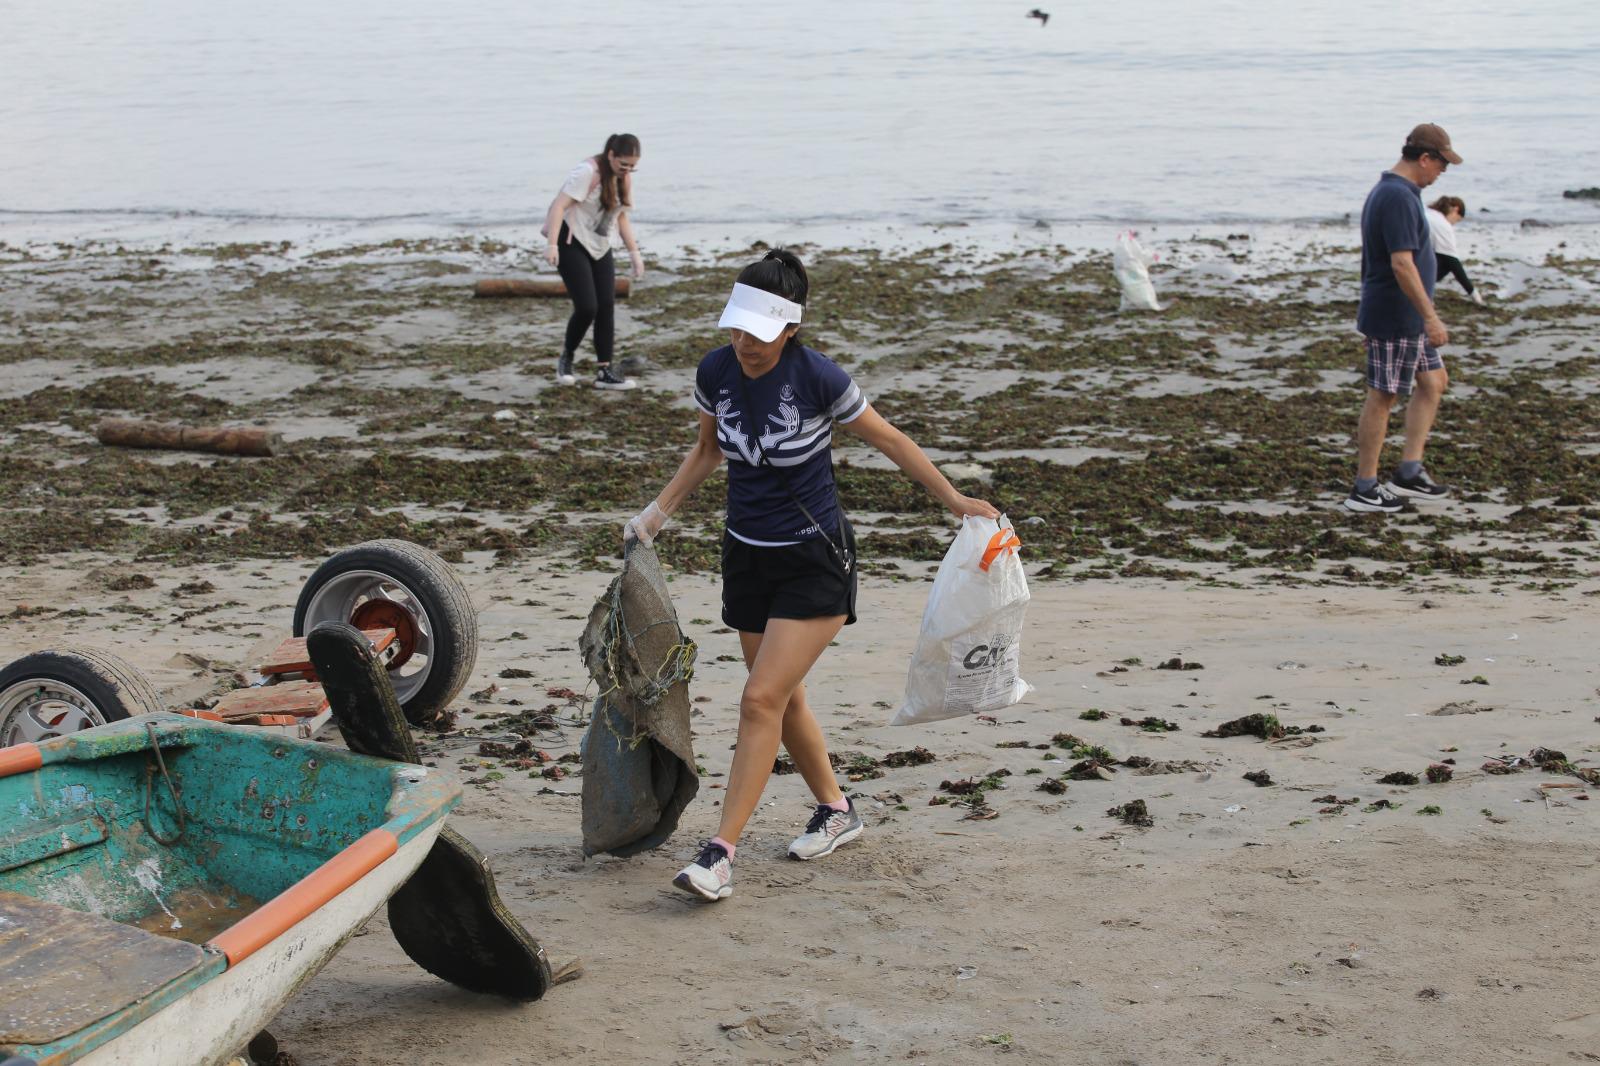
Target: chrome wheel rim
(342,596)
(37,709)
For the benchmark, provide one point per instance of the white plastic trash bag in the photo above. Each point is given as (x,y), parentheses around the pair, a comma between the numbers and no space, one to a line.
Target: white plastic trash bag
(1131,263)
(968,656)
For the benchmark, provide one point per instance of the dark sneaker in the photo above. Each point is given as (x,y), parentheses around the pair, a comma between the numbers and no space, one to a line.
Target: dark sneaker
(1378,499)
(605,379)
(710,876)
(827,829)
(564,374)
(1421,487)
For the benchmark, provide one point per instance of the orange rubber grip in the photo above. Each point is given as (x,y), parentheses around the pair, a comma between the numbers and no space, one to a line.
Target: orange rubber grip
(291,906)
(1005,540)
(20,759)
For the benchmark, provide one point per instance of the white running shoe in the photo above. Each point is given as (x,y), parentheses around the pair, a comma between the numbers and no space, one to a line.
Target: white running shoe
(827,829)
(710,876)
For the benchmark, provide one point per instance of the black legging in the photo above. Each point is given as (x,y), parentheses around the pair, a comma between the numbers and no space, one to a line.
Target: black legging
(1449,264)
(592,284)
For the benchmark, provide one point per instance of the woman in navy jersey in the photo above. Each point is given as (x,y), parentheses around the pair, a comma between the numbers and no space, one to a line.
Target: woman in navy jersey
(768,406)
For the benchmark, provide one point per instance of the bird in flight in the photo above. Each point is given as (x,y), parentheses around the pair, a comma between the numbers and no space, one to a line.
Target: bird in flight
(1042,16)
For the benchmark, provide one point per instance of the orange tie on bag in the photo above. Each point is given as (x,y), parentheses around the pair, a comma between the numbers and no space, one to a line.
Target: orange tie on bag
(1005,540)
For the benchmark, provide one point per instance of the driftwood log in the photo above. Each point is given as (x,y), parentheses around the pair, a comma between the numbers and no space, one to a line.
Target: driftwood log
(502,287)
(224,440)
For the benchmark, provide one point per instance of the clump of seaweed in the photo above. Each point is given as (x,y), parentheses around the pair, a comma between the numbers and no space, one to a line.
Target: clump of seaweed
(916,756)
(1265,726)
(1134,813)
(1152,724)
(1091,770)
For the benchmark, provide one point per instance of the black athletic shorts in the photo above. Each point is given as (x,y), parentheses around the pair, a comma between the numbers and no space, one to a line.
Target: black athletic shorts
(801,580)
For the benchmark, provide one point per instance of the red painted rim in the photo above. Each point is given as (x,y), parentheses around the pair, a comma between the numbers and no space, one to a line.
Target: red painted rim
(386,614)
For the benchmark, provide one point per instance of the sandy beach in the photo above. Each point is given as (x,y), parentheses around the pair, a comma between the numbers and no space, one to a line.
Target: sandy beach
(1173,477)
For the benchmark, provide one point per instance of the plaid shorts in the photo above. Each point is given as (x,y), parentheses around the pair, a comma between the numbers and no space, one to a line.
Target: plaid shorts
(1392,365)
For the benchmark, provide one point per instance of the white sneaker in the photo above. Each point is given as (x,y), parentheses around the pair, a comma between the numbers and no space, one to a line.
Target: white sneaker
(710,876)
(827,829)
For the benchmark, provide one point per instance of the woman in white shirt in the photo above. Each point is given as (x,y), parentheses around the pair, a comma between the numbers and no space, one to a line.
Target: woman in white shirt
(1443,215)
(594,201)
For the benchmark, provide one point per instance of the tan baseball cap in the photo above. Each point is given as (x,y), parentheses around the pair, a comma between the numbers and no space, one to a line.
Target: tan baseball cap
(1432,138)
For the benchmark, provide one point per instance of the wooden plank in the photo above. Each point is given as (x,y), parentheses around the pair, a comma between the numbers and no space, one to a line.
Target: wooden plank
(301,699)
(290,657)
(65,969)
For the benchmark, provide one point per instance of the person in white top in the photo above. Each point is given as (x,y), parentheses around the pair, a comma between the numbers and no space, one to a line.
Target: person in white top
(1444,214)
(593,203)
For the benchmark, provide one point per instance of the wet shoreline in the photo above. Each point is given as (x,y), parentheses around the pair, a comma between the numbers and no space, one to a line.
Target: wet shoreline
(1206,442)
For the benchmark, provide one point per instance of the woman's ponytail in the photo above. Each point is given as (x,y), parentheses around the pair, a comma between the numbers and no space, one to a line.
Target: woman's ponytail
(788,281)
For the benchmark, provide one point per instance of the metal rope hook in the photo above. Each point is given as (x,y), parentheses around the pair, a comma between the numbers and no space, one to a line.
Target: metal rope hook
(172,789)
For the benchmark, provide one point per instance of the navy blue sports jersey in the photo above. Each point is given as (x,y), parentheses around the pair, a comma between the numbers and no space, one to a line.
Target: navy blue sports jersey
(795,405)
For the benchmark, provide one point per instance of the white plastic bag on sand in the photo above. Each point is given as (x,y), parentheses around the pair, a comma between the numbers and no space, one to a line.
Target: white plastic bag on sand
(1131,263)
(968,655)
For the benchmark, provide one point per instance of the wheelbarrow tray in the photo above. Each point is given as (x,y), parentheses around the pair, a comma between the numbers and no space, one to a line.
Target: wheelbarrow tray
(122,948)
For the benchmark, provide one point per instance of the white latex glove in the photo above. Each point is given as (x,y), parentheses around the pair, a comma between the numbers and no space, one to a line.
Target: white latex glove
(1477,297)
(644,526)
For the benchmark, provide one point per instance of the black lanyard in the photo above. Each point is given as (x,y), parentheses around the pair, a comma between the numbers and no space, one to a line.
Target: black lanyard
(841,551)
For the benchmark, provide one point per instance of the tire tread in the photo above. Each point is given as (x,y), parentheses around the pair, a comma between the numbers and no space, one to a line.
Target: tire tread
(131,689)
(455,631)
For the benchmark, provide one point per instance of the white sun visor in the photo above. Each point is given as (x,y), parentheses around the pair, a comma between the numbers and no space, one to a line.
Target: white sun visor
(758,312)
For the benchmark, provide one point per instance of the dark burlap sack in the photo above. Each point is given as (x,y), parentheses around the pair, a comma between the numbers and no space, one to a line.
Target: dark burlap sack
(638,755)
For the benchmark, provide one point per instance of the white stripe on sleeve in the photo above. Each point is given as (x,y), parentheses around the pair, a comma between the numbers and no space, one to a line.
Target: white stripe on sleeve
(849,406)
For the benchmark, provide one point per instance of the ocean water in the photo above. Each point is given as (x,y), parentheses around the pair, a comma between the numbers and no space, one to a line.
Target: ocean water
(904,112)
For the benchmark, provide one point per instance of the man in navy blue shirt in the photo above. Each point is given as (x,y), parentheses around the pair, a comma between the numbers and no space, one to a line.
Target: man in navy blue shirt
(1397,320)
